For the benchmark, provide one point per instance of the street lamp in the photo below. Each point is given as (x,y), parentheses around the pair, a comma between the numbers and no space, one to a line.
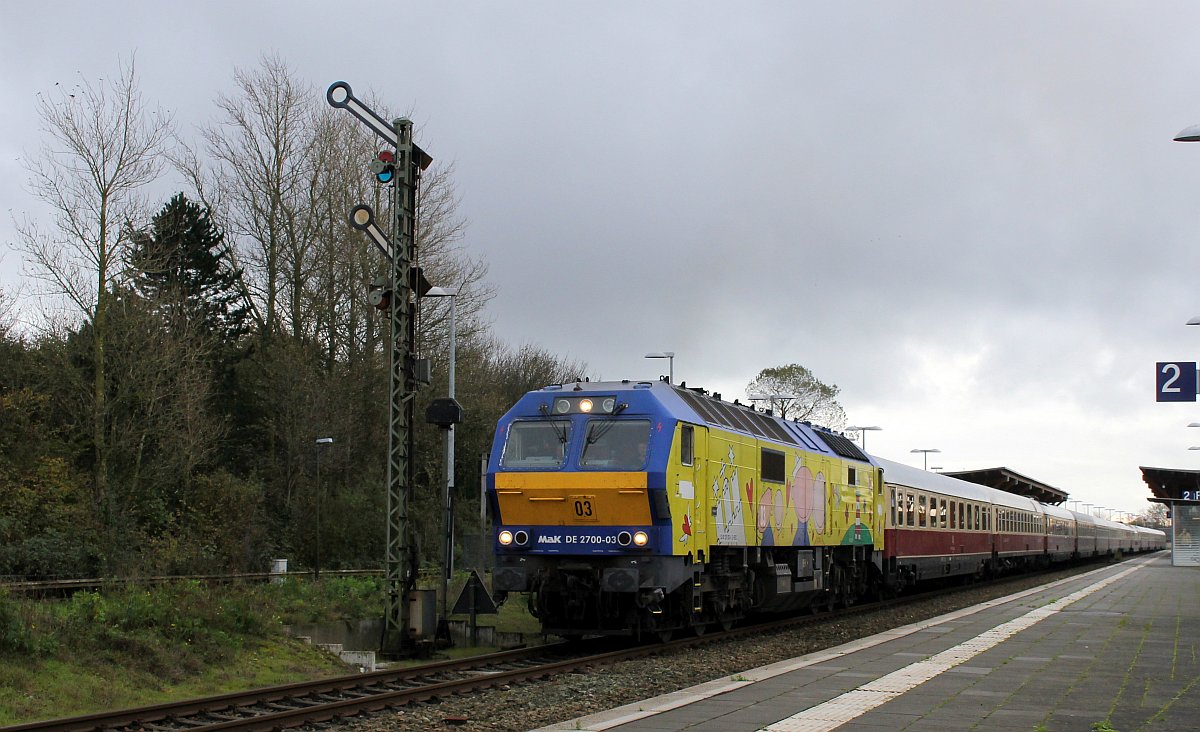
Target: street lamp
(926,451)
(319,441)
(448,519)
(670,356)
(864,431)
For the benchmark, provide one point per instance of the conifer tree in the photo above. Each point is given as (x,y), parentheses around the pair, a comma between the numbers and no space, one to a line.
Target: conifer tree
(183,266)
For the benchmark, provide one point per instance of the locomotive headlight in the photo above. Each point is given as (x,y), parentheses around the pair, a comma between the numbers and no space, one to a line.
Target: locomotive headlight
(585,405)
(640,538)
(608,405)
(562,406)
(505,537)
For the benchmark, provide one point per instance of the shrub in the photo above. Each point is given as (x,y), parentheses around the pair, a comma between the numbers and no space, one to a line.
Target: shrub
(15,636)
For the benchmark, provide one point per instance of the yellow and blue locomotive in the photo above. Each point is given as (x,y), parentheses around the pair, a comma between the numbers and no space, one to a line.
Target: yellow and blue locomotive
(642,508)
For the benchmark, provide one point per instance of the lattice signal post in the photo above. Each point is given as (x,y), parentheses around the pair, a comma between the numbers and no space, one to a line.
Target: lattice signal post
(399,168)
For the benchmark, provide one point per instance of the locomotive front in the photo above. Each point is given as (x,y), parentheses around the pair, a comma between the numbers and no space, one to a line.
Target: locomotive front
(576,478)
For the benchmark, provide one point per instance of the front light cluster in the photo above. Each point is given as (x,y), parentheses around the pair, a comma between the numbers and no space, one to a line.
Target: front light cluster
(508,538)
(637,538)
(585,405)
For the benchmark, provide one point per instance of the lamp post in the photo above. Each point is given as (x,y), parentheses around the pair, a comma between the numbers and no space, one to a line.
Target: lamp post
(448,519)
(926,452)
(670,356)
(319,441)
(864,431)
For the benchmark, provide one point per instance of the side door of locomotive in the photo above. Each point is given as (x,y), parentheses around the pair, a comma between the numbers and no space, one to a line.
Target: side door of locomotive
(698,472)
(687,490)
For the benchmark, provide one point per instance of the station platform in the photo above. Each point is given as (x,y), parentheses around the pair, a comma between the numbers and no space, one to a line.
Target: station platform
(1115,649)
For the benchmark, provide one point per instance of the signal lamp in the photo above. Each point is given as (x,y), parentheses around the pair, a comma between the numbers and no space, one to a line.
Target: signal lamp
(379,293)
(384,166)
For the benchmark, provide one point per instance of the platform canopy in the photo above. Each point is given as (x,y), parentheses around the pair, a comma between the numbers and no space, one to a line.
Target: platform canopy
(1012,482)
(1169,484)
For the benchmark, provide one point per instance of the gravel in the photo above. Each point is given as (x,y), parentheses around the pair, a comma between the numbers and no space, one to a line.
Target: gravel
(536,704)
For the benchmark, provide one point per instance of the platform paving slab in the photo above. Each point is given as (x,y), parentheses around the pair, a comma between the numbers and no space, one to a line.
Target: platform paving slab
(1114,646)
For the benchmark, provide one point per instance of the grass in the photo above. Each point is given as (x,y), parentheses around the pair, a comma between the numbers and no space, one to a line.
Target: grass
(147,645)
(138,646)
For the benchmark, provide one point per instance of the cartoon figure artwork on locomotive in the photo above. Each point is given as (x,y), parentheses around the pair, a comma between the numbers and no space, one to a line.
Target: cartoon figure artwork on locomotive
(642,508)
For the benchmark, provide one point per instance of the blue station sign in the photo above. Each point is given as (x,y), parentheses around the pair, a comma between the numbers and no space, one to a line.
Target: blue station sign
(1175,381)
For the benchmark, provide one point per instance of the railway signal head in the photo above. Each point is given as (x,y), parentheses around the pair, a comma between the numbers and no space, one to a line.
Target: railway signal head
(379,293)
(384,166)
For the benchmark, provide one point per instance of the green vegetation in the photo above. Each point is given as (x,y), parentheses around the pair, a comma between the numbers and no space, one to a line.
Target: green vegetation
(162,398)
(141,645)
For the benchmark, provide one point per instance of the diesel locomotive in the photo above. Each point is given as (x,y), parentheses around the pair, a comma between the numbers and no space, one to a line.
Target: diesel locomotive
(644,507)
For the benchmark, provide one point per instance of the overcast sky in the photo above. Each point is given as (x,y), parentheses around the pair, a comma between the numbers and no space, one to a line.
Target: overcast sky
(969,216)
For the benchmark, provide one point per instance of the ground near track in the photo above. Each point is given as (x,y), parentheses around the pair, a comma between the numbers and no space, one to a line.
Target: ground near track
(539,703)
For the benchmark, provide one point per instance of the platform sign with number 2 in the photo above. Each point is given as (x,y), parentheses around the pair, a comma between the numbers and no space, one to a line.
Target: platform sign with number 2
(1175,381)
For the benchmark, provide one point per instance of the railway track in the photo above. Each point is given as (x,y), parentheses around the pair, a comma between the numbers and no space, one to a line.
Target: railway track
(305,703)
(325,700)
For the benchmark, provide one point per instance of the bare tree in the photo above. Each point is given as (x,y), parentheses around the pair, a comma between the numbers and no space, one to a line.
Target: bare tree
(103,147)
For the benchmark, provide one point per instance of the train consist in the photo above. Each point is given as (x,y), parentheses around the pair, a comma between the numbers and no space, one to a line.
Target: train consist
(643,508)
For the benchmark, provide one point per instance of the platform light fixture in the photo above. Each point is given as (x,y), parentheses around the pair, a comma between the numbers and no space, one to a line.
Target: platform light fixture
(448,499)
(670,356)
(926,451)
(864,431)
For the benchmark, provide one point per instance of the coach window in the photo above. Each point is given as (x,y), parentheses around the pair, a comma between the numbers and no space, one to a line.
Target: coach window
(911,510)
(942,513)
(978,525)
(687,444)
(954,514)
(962,515)
(921,511)
(892,495)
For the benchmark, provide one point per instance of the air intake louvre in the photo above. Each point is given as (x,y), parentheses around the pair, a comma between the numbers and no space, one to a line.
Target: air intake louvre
(842,446)
(735,417)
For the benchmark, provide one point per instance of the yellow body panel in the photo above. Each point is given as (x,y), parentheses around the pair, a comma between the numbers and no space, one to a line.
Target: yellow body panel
(722,500)
(573,499)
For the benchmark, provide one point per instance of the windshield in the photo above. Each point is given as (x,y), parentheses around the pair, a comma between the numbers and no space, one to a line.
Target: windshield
(616,444)
(539,444)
